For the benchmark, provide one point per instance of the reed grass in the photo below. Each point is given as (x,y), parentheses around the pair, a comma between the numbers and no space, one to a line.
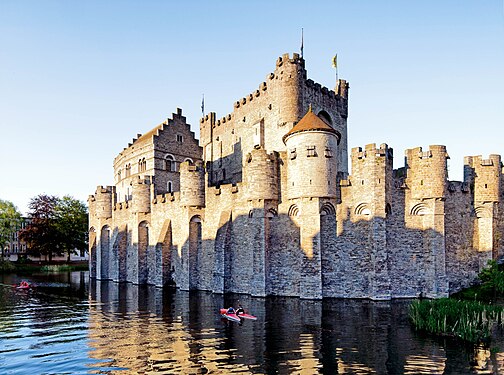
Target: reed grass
(6,266)
(471,321)
(56,268)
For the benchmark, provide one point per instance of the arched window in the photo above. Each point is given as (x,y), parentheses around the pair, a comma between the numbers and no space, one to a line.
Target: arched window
(170,187)
(326,117)
(189,160)
(142,165)
(170,164)
(128,170)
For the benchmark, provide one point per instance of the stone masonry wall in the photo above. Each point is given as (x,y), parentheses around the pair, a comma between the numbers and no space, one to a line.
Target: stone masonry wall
(230,225)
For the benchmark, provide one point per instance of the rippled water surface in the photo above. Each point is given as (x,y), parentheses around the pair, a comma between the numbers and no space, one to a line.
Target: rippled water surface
(68,325)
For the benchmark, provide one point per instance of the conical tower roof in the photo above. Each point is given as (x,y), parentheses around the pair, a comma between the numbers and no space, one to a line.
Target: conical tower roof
(310,122)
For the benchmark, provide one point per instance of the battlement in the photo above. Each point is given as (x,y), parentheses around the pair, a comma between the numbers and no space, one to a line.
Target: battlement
(427,171)
(274,78)
(492,160)
(167,198)
(100,204)
(485,175)
(372,152)
(285,58)
(100,189)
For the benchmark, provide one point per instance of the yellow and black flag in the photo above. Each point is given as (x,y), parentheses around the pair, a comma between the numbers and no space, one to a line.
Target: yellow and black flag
(335,61)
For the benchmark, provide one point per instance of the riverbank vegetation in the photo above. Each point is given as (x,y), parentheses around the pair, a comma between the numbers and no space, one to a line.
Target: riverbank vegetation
(470,315)
(471,321)
(16,267)
(10,220)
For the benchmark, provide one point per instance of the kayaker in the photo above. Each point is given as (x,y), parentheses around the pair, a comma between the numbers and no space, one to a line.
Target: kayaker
(231,311)
(240,310)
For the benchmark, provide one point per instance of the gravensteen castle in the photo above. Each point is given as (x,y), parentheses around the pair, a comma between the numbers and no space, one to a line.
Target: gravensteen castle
(265,204)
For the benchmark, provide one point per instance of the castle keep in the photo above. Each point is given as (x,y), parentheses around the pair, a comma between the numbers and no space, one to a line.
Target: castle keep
(264,204)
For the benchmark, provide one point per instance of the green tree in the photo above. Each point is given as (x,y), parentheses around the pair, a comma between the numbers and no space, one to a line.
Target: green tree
(72,222)
(42,234)
(10,221)
(492,278)
(58,226)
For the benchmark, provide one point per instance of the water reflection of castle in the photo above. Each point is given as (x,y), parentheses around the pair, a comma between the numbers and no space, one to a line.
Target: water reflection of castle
(265,205)
(144,329)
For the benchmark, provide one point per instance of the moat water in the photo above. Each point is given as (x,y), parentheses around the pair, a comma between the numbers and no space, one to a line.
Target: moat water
(69,325)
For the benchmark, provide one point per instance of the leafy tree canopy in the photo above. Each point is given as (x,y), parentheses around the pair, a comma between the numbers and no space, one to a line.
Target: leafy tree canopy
(58,226)
(10,220)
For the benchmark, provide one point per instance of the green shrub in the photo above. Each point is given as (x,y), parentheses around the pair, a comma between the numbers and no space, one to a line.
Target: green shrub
(6,266)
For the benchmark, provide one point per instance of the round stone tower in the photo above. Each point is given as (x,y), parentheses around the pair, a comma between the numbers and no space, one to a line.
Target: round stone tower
(260,171)
(427,172)
(103,202)
(312,163)
(141,196)
(286,83)
(192,185)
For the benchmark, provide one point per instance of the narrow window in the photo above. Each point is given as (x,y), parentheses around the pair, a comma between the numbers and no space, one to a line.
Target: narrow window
(170,187)
(311,152)
(170,165)
(328,152)
(293,153)
(180,138)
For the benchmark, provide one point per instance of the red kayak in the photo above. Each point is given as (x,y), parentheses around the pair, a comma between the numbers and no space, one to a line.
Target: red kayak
(23,285)
(236,317)
(228,316)
(247,316)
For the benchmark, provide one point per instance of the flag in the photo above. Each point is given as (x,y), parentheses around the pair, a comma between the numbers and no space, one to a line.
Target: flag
(335,61)
(203,105)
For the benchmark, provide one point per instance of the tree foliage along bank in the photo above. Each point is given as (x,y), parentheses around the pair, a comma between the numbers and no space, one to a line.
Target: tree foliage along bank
(10,220)
(58,226)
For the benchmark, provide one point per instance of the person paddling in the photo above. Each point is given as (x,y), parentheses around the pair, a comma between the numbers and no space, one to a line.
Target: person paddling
(231,310)
(240,310)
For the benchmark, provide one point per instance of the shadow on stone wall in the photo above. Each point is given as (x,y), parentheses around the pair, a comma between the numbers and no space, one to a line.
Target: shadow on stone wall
(265,253)
(227,169)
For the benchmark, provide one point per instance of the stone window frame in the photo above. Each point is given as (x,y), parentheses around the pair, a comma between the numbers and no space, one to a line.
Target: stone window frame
(142,165)
(128,170)
(180,138)
(169,186)
(311,151)
(170,163)
(293,153)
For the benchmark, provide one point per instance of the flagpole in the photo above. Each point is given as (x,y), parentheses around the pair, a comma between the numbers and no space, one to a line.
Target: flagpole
(335,66)
(302,42)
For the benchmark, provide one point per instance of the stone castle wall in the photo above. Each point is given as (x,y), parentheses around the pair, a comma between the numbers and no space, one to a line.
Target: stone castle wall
(247,217)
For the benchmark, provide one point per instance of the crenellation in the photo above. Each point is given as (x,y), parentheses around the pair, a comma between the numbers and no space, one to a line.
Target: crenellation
(265,204)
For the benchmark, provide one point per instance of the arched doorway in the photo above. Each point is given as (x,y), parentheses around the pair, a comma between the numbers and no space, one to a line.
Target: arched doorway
(92,252)
(104,252)
(143,243)
(194,251)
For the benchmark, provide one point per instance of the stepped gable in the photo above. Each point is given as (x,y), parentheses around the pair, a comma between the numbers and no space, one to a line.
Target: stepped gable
(311,122)
(149,134)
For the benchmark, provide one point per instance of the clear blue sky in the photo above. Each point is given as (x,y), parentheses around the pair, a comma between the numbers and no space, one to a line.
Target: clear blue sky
(79,79)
